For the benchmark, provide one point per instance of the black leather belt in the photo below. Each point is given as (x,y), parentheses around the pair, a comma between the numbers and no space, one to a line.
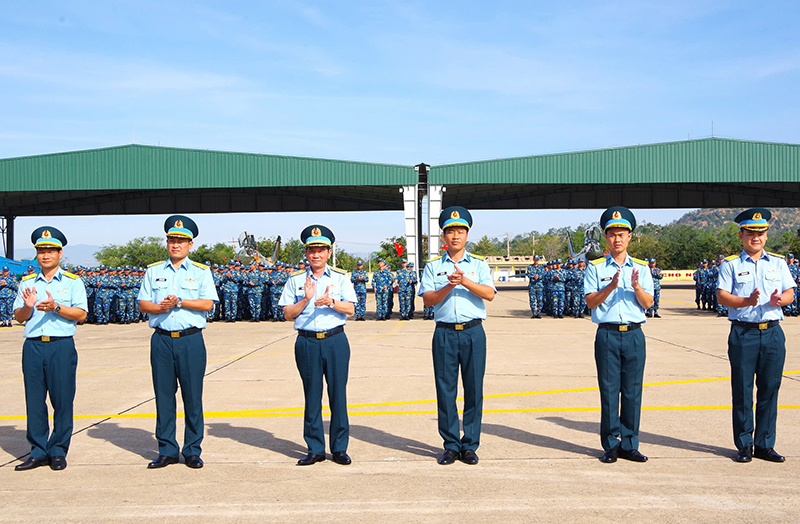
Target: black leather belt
(756,325)
(460,327)
(320,334)
(620,327)
(178,334)
(47,339)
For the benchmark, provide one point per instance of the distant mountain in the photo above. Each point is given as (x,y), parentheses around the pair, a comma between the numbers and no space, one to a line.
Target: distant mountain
(77,255)
(783,219)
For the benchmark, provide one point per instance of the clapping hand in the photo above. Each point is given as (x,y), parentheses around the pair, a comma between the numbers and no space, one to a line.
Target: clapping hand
(324,300)
(456,277)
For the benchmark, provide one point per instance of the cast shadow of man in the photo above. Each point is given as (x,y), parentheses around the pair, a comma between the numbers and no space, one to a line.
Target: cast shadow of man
(533,439)
(390,441)
(137,441)
(258,438)
(13,442)
(649,438)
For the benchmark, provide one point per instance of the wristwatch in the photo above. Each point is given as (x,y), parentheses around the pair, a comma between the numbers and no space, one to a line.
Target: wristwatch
(333,303)
(180,303)
(57,309)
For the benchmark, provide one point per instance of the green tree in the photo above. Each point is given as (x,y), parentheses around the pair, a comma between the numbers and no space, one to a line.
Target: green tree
(486,247)
(266,246)
(345,260)
(141,251)
(388,252)
(292,252)
(219,253)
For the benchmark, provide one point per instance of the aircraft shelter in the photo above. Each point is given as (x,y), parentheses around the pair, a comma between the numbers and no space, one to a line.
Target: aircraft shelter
(139,179)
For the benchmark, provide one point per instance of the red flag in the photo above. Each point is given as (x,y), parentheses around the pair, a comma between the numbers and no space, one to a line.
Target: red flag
(399,249)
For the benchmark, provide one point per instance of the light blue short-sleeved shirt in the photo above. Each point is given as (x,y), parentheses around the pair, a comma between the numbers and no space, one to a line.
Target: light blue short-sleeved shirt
(189,282)
(460,305)
(66,289)
(740,275)
(322,318)
(621,306)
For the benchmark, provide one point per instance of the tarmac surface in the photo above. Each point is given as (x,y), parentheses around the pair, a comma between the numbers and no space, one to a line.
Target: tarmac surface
(538,455)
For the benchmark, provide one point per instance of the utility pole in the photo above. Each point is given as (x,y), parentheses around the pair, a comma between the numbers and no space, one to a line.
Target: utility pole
(508,245)
(533,243)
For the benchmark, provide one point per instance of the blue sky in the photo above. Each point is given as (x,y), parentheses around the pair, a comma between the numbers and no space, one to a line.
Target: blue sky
(394,82)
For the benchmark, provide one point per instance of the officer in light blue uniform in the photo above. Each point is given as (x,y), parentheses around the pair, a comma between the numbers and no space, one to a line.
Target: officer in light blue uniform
(177,294)
(8,291)
(50,303)
(619,288)
(359,280)
(755,284)
(319,299)
(456,285)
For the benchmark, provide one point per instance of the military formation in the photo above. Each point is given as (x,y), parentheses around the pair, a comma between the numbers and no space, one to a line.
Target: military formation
(556,289)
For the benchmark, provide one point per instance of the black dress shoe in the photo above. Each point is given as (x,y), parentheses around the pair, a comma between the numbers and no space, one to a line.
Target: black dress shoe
(468,456)
(656,315)
(31,463)
(311,458)
(340,457)
(610,456)
(768,454)
(162,461)
(58,463)
(448,457)
(745,454)
(632,455)
(193,461)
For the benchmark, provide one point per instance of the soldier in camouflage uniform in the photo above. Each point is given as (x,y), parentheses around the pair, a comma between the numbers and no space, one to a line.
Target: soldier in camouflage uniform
(279,279)
(535,287)
(359,279)
(579,307)
(406,287)
(558,278)
(652,311)
(8,292)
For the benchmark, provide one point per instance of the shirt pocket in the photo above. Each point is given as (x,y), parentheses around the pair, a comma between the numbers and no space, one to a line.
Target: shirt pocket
(744,278)
(190,288)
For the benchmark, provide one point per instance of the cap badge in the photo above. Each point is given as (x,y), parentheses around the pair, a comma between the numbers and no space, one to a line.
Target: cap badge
(616,215)
(757,216)
(179,224)
(316,232)
(46,234)
(455,214)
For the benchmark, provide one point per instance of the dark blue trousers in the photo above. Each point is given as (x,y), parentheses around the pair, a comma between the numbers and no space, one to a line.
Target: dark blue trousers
(49,367)
(328,358)
(173,361)
(620,357)
(755,354)
(466,349)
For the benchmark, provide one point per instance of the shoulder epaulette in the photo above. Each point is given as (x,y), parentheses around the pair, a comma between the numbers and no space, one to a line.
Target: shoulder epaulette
(298,272)
(598,260)
(639,261)
(28,277)
(155,263)
(338,270)
(732,257)
(198,264)
(70,275)
(477,256)
(434,258)
(775,254)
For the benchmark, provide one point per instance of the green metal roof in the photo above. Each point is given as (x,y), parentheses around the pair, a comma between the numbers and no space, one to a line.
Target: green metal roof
(140,167)
(709,160)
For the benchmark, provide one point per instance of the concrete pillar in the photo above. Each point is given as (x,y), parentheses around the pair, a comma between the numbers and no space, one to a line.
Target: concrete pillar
(411,223)
(434,209)
(8,231)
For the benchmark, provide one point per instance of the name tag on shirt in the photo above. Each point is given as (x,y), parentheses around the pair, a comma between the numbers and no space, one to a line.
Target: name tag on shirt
(606,279)
(442,273)
(161,279)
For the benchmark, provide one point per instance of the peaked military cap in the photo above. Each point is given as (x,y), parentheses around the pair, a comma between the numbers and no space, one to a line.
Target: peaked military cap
(455,216)
(48,236)
(618,216)
(180,226)
(317,235)
(754,219)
